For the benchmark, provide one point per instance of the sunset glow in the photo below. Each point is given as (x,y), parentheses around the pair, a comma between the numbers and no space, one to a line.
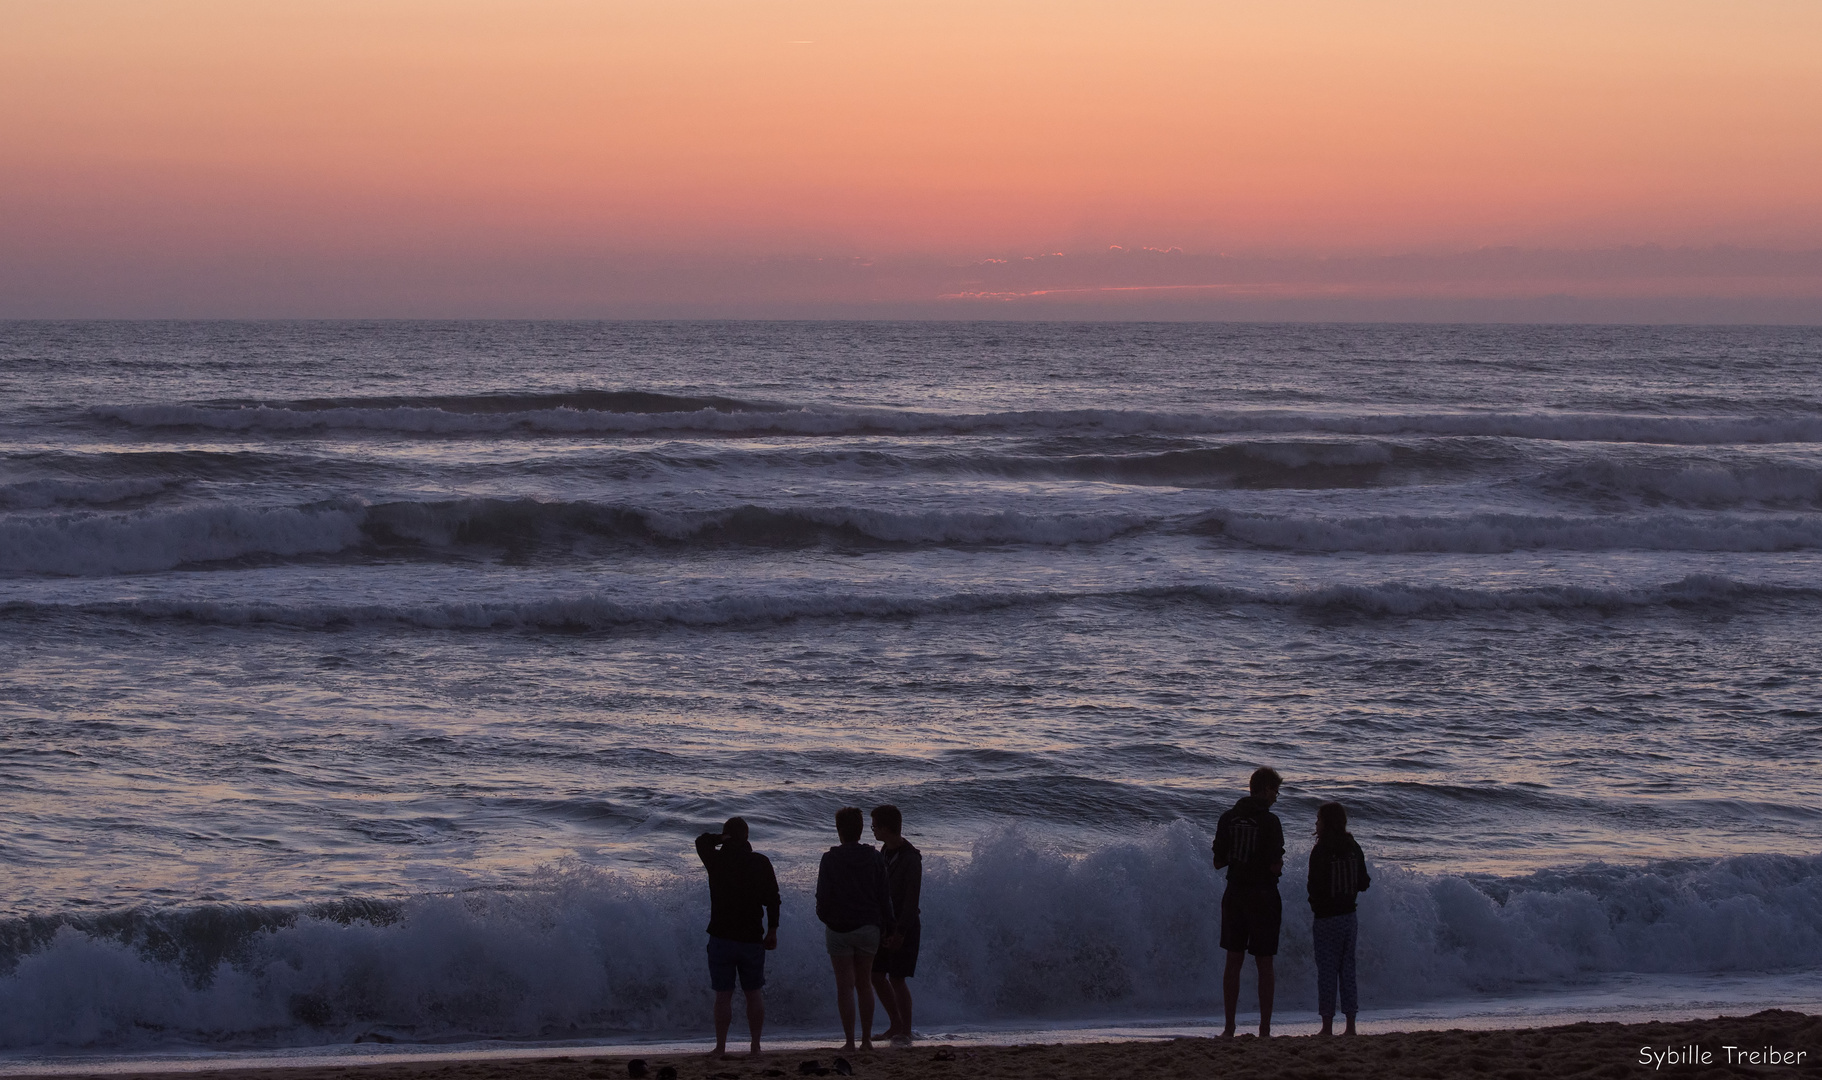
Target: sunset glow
(462,146)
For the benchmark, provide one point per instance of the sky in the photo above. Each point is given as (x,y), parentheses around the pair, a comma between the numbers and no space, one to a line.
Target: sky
(1634,161)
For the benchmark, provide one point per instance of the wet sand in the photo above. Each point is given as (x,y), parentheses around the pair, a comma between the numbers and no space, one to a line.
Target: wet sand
(1596,1050)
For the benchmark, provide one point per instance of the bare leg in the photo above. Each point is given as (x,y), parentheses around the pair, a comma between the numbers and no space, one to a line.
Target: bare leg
(844,995)
(1268,986)
(882,989)
(1230,989)
(755,1017)
(724,1015)
(1350,1028)
(1328,1026)
(863,986)
(901,995)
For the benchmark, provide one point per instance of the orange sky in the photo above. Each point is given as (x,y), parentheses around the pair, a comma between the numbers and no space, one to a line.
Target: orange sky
(166,135)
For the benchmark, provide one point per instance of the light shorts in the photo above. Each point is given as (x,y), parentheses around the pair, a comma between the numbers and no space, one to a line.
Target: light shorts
(861,942)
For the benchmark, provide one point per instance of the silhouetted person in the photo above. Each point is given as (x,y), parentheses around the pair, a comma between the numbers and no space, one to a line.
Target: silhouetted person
(741,885)
(1338,875)
(896,960)
(1249,842)
(854,903)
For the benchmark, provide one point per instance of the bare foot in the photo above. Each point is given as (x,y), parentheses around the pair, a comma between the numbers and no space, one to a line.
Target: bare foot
(849,1045)
(1265,1031)
(1350,1028)
(717,1054)
(866,1044)
(1328,1027)
(1227,1032)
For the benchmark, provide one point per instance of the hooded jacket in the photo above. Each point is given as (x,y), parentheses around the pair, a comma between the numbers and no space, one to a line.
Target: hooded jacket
(741,885)
(852,891)
(1338,874)
(905,878)
(1250,841)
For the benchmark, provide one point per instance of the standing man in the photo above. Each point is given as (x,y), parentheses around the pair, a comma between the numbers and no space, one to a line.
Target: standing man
(896,960)
(1249,842)
(741,883)
(855,906)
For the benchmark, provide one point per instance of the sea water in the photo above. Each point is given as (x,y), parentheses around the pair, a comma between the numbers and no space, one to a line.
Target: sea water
(374,679)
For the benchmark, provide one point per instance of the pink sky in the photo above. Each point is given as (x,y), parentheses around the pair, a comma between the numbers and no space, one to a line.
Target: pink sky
(1318,159)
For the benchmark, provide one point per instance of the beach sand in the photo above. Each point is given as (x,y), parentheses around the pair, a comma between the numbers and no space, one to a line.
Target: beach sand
(1573,1050)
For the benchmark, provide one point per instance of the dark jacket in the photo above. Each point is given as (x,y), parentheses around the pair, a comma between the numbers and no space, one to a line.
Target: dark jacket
(905,878)
(741,882)
(1338,874)
(1250,841)
(851,889)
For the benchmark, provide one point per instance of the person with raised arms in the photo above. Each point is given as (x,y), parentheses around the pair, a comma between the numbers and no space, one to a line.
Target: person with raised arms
(742,884)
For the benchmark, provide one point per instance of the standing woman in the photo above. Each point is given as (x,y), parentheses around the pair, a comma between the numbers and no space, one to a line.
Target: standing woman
(1338,874)
(854,903)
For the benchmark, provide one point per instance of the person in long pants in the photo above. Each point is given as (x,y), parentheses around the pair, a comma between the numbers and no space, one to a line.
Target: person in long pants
(1338,875)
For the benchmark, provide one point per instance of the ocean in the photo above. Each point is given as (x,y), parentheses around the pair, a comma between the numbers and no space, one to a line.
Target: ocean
(372,680)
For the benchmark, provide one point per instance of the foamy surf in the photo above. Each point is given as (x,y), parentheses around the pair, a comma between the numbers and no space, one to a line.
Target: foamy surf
(1014,934)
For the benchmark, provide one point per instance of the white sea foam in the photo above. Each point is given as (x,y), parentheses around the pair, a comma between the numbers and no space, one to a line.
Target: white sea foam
(1015,933)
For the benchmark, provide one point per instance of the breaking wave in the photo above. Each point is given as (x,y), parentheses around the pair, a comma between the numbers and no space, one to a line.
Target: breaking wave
(1017,932)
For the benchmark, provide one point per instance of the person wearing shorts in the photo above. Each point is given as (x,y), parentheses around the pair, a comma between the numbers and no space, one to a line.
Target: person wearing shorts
(742,884)
(1249,844)
(896,960)
(855,906)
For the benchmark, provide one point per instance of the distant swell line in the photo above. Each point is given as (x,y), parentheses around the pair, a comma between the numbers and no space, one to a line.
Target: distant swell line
(88,544)
(1672,478)
(1499,533)
(599,612)
(94,543)
(574,414)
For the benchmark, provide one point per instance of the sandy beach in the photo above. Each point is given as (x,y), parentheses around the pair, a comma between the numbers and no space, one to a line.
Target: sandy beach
(1769,1043)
